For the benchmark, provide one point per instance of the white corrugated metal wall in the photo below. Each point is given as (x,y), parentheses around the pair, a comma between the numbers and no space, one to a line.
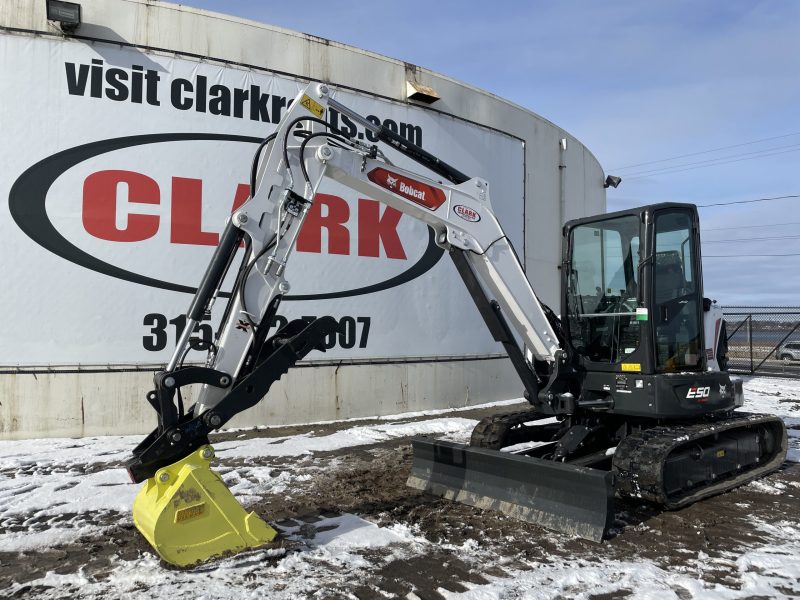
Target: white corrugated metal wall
(71,400)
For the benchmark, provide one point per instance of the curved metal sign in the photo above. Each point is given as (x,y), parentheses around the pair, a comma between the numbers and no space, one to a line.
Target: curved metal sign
(27,204)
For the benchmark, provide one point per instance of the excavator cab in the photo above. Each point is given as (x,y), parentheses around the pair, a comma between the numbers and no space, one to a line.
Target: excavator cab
(639,410)
(632,291)
(632,313)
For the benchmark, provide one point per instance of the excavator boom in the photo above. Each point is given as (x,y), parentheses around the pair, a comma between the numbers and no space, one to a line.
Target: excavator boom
(242,363)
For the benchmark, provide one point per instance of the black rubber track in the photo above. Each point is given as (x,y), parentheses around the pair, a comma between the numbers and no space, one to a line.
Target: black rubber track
(498,431)
(639,459)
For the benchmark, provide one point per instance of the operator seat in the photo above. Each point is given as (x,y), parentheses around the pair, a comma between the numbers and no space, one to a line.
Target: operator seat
(670,283)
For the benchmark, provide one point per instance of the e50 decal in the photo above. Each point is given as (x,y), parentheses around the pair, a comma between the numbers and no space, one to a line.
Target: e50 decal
(698,392)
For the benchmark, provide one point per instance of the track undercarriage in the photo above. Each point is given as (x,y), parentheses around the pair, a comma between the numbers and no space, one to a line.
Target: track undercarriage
(564,473)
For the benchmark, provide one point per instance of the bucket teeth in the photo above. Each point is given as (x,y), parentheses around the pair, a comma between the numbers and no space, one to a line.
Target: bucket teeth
(188,514)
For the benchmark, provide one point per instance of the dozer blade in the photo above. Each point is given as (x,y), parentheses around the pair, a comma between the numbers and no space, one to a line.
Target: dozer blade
(188,514)
(566,498)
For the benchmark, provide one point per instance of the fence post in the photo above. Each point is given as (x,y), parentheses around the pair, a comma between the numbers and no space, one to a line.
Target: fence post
(750,341)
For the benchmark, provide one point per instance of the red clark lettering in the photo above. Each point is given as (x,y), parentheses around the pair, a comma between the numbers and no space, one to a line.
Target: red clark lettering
(110,200)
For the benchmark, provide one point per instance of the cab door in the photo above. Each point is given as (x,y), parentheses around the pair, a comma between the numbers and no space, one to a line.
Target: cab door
(602,296)
(676,291)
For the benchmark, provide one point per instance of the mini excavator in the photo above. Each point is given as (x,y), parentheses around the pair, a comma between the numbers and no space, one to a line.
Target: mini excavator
(628,390)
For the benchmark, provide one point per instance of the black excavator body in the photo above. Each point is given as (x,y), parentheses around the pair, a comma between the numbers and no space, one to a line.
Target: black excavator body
(635,405)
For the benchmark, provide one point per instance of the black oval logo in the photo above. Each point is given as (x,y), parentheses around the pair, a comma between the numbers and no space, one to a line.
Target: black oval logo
(26,202)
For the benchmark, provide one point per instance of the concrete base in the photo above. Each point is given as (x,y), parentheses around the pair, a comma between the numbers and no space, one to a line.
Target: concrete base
(61,404)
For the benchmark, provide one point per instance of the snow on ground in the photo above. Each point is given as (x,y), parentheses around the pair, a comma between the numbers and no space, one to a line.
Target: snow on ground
(42,479)
(251,481)
(354,436)
(764,572)
(334,554)
(395,417)
(777,397)
(62,493)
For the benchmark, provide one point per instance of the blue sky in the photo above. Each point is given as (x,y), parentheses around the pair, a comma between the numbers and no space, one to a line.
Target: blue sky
(636,82)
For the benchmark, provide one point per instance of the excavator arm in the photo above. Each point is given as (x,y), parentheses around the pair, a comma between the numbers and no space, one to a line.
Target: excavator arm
(242,362)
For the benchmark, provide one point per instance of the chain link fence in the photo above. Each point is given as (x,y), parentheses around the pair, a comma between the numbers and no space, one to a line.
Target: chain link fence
(763,340)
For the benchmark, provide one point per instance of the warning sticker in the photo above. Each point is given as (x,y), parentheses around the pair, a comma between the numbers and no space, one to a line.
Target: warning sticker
(312,106)
(190,512)
(632,367)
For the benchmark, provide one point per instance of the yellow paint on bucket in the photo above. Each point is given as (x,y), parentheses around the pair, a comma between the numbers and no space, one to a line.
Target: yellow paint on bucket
(188,514)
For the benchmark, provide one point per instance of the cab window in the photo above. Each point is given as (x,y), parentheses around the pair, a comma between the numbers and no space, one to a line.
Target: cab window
(602,289)
(676,293)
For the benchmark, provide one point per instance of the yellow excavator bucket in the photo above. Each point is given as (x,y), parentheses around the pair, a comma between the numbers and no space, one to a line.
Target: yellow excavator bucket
(188,514)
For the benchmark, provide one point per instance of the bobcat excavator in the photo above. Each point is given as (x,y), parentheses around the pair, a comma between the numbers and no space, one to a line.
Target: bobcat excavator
(628,392)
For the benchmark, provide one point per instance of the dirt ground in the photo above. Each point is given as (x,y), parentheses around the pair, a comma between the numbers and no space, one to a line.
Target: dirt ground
(470,545)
